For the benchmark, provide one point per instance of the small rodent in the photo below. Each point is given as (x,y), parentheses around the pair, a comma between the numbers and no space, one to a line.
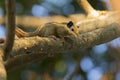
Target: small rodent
(51,29)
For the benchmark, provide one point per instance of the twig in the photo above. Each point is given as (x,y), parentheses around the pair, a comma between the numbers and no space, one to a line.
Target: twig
(88,8)
(10,22)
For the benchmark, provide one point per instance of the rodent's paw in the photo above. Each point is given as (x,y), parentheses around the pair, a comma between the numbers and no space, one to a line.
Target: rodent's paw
(69,39)
(52,37)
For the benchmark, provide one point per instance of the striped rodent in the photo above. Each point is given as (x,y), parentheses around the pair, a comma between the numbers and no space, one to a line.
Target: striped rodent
(51,29)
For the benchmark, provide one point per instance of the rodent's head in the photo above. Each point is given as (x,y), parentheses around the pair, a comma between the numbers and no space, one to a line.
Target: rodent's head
(72,27)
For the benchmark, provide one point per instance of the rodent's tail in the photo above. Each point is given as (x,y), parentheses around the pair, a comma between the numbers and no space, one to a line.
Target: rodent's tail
(20,33)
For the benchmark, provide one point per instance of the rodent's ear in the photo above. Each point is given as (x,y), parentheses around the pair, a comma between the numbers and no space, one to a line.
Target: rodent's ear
(70,24)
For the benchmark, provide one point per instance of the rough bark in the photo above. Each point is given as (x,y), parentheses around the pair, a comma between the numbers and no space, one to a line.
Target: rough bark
(10,24)
(31,49)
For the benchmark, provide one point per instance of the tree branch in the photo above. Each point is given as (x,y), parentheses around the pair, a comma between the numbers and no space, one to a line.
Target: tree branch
(10,22)
(102,21)
(92,31)
(30,49)
(29,22)
(88,8)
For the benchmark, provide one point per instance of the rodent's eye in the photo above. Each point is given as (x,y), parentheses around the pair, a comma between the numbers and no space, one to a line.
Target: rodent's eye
(72,29)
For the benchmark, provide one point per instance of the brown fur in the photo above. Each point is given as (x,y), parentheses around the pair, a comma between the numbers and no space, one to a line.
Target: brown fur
(50,29)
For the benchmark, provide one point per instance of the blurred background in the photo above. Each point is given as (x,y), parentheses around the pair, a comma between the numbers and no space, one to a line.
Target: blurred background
(96,63)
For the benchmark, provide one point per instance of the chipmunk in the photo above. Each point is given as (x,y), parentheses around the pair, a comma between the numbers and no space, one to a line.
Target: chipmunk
(51,29)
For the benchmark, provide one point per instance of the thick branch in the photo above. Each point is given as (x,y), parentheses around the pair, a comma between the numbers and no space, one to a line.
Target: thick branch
(27,50)
(10,22)
(102,21)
